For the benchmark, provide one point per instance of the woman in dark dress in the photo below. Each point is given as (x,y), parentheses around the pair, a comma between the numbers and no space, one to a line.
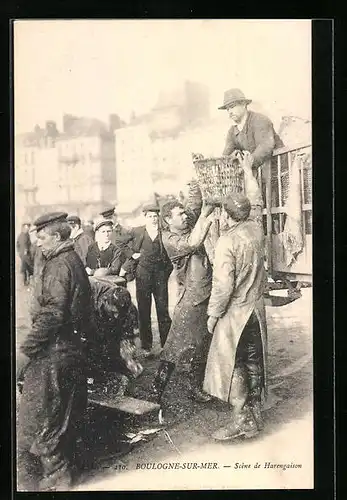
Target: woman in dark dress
(103,258)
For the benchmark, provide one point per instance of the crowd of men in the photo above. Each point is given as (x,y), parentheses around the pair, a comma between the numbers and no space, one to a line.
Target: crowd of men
(219,315)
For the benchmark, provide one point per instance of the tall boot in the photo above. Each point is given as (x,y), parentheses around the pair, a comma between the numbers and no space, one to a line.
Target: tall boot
(197,370)
(196,390)
(255,380)
(242,422)
(161,380)
(242,425)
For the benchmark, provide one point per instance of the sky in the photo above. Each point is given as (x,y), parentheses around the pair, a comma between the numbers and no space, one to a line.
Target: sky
(96,67)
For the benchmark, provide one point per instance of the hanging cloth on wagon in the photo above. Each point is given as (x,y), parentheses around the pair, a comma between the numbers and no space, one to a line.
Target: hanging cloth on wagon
(292,235)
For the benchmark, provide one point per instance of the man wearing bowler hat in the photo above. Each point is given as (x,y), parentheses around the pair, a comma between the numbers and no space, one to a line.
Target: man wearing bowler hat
(152,268)
(250,131)
(50,362)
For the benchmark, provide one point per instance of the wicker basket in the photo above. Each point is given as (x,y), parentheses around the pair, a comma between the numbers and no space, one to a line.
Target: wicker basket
(218,177)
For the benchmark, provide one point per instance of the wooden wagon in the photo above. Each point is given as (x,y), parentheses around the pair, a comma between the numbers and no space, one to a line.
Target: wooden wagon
(218,176)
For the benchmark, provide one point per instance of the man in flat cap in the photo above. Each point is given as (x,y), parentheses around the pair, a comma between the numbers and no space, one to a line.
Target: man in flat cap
(152,268)
(120,236)
(82,240)
(236,364)
(250,131)
(103,257)
(50,364)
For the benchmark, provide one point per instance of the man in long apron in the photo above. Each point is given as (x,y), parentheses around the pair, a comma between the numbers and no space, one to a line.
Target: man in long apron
(236,365)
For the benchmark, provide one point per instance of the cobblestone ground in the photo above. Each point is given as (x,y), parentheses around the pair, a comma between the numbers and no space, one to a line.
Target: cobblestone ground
(287,437)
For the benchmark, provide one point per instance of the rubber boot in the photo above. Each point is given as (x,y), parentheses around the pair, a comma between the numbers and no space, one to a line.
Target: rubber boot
(197,394)
(255,380)
(161,380)
(242,422)
(242,425)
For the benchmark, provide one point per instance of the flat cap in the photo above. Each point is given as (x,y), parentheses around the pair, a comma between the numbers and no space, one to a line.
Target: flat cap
(237,206)
(50,218)
(151,208)
(103,222)
(74,219)
(108,211)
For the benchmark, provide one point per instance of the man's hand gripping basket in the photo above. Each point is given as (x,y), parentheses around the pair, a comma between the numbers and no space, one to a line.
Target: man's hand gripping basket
(218,177)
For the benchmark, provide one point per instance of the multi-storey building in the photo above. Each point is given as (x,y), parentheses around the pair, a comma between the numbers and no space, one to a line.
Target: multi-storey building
(151,154)
(73,171)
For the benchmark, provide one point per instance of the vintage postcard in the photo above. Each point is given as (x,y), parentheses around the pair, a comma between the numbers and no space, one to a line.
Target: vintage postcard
(163,211)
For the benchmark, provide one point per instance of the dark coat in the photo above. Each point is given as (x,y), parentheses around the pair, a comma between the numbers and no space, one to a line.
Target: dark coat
(153,253)
(23,245)
(81,244)
(121,238)
(113,315)
(62,308)
(111,258)
(258,137)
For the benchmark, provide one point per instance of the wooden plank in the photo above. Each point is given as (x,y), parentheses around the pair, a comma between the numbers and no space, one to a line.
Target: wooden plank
(124,404)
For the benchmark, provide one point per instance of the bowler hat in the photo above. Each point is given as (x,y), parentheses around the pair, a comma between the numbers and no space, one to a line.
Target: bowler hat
(48,219)
(74,219)
(233,97)
(237,206)
(103,222)
(108,211)
(151,208)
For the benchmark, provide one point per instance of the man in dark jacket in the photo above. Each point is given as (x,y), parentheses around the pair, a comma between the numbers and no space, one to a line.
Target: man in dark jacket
(153,268)
(120,235)
(250,131)
(82,240)
(50,363)
(24,252)
(103,257)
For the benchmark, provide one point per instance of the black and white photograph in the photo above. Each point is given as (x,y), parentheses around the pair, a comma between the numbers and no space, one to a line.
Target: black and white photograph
(163,254)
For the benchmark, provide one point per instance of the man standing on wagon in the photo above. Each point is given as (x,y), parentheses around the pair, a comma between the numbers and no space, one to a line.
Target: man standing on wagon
(250,131)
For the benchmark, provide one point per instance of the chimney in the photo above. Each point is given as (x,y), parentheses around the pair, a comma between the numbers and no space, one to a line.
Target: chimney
(114,122)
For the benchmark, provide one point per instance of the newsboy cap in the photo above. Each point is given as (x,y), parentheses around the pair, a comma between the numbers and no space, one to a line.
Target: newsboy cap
(74,219)
(50,218)
(151,208)
(108,211)
(237,206)
(102,222)
(233,97)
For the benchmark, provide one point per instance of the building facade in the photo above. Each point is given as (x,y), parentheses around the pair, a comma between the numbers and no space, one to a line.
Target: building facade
(74,171)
